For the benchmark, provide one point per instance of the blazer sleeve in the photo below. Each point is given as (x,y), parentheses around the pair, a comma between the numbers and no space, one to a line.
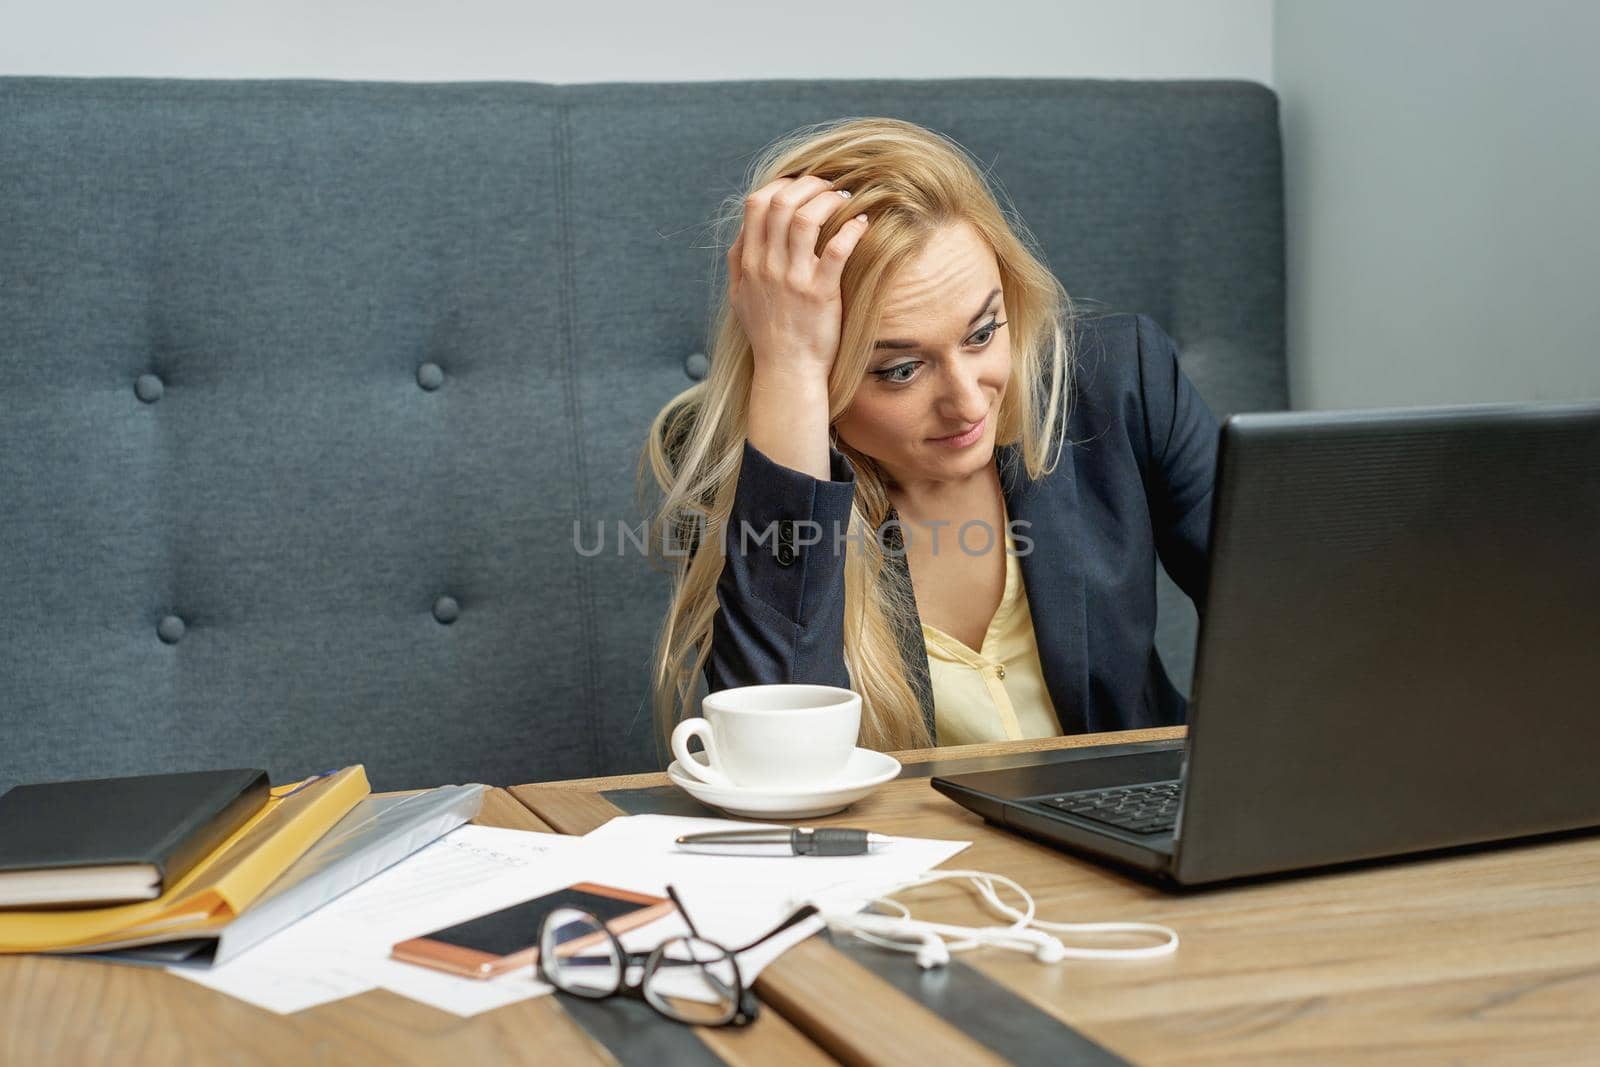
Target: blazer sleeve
(1181,438)
(781,591)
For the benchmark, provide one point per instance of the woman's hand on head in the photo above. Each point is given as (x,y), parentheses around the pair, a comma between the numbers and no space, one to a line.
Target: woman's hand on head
(786,296)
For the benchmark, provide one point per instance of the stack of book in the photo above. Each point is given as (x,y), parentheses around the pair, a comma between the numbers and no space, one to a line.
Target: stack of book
(195,868)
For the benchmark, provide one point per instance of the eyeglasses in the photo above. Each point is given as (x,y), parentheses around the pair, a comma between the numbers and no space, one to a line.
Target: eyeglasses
(688,979)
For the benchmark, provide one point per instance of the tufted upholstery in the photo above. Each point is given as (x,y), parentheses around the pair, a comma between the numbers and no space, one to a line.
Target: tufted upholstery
(306,384)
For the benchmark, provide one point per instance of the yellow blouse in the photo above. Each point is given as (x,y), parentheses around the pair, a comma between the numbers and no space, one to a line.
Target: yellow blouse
(996,693)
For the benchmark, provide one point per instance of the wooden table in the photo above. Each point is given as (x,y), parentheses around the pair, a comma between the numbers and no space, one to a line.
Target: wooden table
(1489,957)
(80,1013)
(1486,958)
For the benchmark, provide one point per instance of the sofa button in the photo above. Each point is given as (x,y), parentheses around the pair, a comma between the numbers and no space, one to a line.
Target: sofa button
(430,376)
(148,388)
(170,629)
(446,610)
(696,365)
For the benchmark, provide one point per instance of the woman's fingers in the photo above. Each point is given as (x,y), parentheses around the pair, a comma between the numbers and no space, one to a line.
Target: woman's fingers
(838,249)
(808,223)
(735,267)
(781,222)
(752,233)
(780,214)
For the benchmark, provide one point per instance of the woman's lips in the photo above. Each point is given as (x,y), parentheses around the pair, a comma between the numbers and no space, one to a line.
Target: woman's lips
(962,440)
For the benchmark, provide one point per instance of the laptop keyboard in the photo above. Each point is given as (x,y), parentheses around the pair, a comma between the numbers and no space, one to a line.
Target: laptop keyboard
(1147,808)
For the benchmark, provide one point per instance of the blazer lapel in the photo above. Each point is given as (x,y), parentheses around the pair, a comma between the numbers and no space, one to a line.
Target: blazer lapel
(1052,575)
(913,652)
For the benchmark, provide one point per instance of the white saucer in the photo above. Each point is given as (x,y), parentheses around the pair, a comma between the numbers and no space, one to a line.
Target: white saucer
(866,770)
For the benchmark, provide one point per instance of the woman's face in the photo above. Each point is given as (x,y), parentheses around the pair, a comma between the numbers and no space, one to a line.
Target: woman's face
(939,367)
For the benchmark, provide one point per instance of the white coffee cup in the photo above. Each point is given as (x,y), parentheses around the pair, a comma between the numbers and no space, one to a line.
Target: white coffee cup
(772,736)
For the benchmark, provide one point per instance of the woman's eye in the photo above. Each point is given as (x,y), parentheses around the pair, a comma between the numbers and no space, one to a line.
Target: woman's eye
(983,336)
(893,375)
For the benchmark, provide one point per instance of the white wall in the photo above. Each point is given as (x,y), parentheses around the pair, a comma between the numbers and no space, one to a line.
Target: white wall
(1442,174)
(643,40)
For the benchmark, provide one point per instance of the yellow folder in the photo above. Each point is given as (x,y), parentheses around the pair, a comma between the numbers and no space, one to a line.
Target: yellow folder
(216,890)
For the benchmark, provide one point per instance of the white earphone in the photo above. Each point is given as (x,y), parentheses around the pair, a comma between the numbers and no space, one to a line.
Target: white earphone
(932,943)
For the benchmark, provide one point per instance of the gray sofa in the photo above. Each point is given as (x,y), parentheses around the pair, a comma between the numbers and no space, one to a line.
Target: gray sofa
(304,386)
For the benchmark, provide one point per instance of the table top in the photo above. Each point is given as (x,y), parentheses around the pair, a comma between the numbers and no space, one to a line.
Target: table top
(1469,957)
(1486,956)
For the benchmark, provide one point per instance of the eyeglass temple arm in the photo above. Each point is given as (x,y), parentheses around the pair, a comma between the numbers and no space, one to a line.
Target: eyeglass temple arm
(798,917)
(673,893)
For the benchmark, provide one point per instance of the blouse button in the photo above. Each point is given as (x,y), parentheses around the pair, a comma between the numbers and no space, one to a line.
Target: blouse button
(1000,670)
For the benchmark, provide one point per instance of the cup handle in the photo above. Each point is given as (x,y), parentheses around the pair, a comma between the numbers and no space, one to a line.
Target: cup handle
(700,728)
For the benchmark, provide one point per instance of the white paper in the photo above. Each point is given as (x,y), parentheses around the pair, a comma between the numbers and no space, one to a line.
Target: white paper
(281,983)
(735,899)
(343,948)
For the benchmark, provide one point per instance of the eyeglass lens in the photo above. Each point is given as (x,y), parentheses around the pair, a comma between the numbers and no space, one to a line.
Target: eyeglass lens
(578,955)
(693,980)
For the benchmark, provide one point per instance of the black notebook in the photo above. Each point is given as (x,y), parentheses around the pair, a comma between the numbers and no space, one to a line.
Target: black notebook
(115,840)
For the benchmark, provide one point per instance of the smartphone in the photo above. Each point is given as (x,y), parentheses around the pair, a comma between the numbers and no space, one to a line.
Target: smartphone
(504,940)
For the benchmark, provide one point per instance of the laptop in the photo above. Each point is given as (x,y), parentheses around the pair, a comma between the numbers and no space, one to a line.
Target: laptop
(1399,652)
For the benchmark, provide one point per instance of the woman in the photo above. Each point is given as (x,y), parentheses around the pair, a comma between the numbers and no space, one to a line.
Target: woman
(931,482)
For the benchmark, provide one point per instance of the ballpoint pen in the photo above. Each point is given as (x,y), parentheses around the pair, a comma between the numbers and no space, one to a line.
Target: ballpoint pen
(800,841)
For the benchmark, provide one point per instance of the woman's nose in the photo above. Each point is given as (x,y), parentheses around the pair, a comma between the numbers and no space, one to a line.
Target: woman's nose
(965,398)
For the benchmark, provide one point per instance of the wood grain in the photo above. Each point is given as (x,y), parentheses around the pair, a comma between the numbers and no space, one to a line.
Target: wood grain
(501,809)
(771,1039)
(83,1013)
(1039,744)
(858,1017)
(566,811)
(1487,956)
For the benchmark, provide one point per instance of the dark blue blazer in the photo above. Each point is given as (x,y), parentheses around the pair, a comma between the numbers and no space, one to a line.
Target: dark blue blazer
(1134,484)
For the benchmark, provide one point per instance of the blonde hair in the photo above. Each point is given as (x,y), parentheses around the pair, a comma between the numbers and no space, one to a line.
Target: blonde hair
(911,182)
